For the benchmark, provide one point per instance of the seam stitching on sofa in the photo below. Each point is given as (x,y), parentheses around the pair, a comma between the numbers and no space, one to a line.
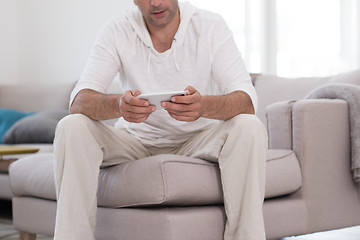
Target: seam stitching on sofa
(281,157)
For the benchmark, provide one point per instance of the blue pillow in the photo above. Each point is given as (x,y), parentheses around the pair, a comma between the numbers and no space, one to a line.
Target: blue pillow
(7,118)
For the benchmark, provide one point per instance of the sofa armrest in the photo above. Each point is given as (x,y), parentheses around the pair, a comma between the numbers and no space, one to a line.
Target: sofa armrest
(321,142)
(279,124)
(321,131)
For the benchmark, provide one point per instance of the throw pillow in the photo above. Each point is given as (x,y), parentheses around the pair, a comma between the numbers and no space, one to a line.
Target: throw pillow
(7,118)
(38,128)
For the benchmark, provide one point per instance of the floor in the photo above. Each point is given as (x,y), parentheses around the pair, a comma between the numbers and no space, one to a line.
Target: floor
(7,231)
(352,233)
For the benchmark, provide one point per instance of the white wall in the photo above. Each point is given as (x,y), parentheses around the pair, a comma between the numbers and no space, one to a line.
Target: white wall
(48,41)
(8,41)
(358,37)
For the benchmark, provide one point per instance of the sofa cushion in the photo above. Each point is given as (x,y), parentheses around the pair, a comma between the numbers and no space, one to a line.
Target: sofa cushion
(157,180)
(166,180)
(37,128)
(283,174)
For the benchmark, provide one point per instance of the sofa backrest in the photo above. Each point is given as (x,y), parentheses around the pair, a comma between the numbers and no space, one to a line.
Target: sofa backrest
(33,98)
(271,89)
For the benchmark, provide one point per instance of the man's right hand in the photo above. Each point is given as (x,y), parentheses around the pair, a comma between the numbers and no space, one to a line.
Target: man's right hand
(133,109)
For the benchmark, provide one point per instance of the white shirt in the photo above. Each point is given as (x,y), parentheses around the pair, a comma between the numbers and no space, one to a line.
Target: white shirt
(203,55)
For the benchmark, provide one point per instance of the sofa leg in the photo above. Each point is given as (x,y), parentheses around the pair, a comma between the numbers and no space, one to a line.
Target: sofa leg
(27,236)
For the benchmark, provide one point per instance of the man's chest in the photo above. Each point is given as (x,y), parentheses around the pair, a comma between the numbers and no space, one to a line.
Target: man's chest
(175,69)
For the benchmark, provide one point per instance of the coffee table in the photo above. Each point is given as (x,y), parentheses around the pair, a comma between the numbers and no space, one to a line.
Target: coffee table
(12,150)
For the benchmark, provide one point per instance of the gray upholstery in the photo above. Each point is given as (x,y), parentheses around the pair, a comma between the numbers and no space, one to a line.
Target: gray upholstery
(176,223)
(34,98)
(5,191)
(280,121)
(163,180)
(283,174)
(5,186)
(272,89)
(309,186)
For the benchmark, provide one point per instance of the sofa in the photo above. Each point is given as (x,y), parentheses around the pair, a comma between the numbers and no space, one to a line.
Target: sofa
(309,185)
(30,131)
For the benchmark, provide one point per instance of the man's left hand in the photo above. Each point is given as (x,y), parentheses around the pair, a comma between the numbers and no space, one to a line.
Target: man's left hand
(185,108)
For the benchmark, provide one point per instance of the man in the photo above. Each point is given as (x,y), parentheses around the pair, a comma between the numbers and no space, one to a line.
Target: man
(165,46)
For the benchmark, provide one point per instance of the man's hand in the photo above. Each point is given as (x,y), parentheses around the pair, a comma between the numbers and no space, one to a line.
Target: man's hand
(133,109)
(193,106)
(185,108)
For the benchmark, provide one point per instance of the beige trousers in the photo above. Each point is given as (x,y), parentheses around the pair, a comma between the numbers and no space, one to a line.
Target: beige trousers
(82,146)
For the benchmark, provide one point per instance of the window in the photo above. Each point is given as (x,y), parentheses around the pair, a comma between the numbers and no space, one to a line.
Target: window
(293,37)
(313,36)
(233,12)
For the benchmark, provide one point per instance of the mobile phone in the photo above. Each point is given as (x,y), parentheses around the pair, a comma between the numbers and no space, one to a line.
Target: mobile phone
(156,98)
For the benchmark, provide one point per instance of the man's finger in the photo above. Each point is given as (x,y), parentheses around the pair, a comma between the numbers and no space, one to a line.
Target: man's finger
(139,110)
(130,97)
(183,118)
(182,99)
(190,90)
(136,93)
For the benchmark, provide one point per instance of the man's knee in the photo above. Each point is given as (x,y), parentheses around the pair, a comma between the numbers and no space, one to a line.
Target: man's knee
(72,122)
(72,130)
(72,125)
(248,126)
(247,122)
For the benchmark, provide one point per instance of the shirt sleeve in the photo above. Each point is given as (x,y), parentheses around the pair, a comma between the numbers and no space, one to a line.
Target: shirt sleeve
(102,65)
(228,68)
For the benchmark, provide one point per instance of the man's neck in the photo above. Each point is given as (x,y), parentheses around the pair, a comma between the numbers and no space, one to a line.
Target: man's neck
(162,37)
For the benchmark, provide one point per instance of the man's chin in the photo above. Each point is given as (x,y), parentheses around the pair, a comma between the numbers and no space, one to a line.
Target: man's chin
(159,22)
